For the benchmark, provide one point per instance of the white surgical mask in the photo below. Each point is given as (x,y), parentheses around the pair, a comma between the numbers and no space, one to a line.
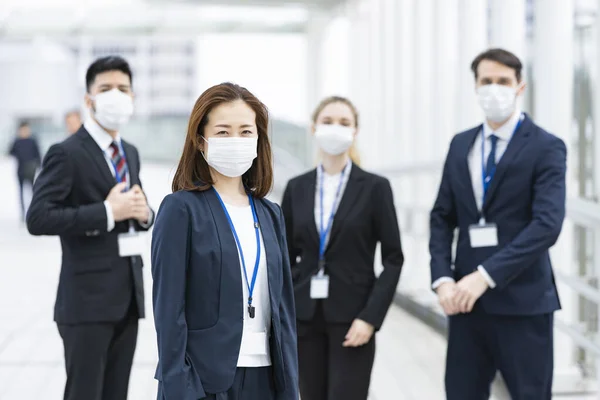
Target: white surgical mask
(497,101)
(233,156)
(113,109)
(334,139)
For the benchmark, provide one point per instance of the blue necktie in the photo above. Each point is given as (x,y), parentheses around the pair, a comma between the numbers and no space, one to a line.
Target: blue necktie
(490,166)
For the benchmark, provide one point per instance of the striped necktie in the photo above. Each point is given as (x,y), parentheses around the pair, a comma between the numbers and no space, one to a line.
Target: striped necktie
(119,163)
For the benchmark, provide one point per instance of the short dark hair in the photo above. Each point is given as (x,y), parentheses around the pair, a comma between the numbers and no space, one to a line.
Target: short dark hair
(193,172)
(23,124)
(500,56)
(105,64)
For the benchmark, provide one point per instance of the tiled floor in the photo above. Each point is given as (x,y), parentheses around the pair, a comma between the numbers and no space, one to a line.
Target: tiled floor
(409,364)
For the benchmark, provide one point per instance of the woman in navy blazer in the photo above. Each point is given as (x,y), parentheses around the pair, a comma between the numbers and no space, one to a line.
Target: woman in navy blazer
(223,295)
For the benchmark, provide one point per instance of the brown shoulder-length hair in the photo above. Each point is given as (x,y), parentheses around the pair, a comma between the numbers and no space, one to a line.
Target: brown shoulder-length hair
(193,173)
(354,155)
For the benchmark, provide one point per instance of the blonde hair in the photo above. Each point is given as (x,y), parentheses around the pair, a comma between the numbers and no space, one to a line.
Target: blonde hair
(354,154)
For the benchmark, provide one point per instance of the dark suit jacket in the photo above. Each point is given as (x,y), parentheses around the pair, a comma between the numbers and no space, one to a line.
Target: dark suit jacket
(197,297)
(27,153)
(526,200)
(96,285)
(365,216)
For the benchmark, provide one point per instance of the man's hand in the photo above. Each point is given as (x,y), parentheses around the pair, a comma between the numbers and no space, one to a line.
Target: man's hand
(121,202)
(141,211)
(468,290)
(127,205)
(359,334)
(446,292)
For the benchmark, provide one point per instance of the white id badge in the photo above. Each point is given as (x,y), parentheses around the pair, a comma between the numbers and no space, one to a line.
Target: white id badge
(483,235)
(131,244)
(254,344)
(319,287)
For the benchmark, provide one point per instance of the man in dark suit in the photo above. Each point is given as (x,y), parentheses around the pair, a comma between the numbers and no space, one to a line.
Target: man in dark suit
(503,188)
(26,151)
(89,194)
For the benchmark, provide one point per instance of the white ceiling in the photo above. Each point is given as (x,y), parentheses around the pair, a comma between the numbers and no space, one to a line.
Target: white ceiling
(31,18)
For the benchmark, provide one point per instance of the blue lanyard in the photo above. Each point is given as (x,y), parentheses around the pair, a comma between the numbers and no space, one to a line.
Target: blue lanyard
(487,176)
(324,231)
(252,283)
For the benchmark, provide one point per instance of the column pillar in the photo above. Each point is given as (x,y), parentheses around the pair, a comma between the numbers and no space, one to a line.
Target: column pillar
(508,26)
(405,136)
(553,74)
(472,39)
(316,26)
(375,131)
(404,31)
(360,55)
(445,65)
(315,31)
(424,77)
(390,75)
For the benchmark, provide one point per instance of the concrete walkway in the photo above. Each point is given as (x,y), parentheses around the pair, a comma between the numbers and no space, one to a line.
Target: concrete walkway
(410,356)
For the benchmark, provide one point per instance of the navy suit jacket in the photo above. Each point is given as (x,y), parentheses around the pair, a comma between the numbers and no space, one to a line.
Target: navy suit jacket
(526,200)
(197,297)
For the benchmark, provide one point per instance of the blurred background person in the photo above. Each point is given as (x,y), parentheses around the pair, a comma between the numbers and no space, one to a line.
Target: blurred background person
(26,151)
(335,216)
(207,245)
(89,194)
(73,121)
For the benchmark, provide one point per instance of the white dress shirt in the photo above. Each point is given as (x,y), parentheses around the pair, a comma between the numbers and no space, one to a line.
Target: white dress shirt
(104,140)
(504,134)
(243,222)
(330,187)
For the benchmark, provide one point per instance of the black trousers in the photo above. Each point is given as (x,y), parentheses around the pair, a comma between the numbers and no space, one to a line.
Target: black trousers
(98,358)
(520,347)
(249,384)
(24,180)
(329,371)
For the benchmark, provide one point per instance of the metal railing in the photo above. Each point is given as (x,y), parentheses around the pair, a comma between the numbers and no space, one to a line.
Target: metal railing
(581,212)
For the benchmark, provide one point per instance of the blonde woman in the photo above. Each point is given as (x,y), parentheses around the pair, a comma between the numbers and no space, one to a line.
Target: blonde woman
(335,215)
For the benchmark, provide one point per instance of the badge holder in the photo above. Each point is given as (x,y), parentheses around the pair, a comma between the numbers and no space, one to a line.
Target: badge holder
(483,234)
(319,284)
(131,244)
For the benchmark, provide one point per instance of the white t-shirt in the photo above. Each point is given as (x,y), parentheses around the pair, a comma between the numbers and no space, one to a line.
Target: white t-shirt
(244,225)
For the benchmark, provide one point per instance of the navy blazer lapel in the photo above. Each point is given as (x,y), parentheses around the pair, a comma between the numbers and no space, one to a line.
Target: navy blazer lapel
(515,145)
(464,179)
(272,249)
(231,272)
(131,163)
(347,201)
(97,156)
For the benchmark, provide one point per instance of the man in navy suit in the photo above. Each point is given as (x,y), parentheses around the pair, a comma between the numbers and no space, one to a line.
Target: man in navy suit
(503,188)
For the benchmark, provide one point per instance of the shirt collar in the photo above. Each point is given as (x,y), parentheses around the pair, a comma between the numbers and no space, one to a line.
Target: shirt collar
(346,171)
(506,131)
(100,136)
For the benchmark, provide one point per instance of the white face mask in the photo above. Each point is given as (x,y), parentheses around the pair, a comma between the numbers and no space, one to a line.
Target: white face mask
(231,157)
(334,139)
(497,101)
(112,109)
